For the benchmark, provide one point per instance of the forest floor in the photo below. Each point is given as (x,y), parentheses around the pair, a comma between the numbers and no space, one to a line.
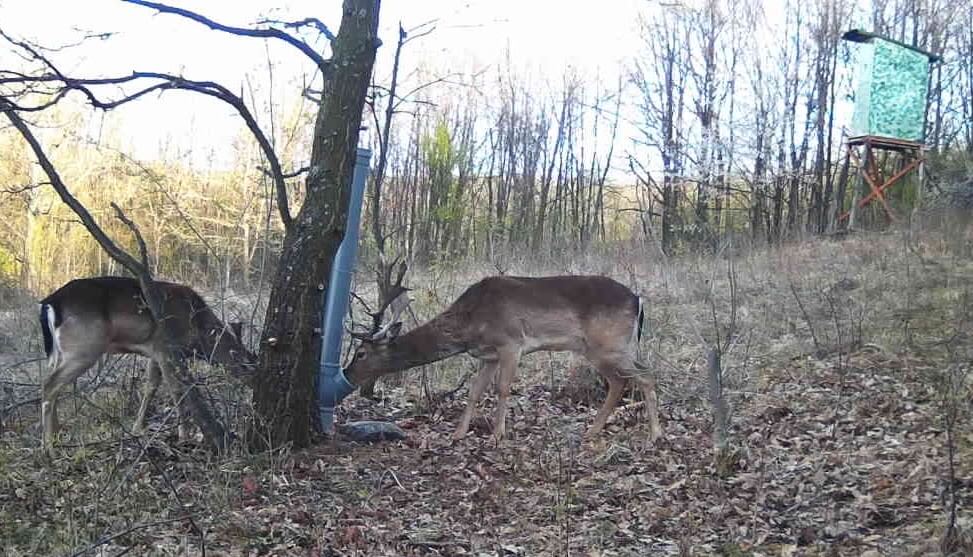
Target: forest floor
(844,363)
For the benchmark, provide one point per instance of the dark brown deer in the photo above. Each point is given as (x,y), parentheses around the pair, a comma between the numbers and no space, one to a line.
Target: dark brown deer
(500,319)
(89,317)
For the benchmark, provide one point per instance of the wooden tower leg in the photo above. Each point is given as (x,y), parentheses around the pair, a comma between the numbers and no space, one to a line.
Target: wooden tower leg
(915,226)
(859,183)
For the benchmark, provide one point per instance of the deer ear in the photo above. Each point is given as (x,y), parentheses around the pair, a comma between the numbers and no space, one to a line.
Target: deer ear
(394,331)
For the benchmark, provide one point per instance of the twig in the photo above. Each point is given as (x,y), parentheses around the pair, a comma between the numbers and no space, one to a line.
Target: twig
(23,362)
(144,525)
(306,22)
(429,543)
(16,405)
(807,318)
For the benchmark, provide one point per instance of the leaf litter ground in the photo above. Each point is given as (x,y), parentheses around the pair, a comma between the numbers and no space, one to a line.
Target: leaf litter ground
(836,453)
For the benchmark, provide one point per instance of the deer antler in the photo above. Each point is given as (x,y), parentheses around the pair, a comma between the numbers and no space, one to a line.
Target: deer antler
(357,335)
(391,294)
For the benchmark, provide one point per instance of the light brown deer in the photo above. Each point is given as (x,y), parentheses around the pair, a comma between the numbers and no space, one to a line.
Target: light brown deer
(89,317)
(500,319)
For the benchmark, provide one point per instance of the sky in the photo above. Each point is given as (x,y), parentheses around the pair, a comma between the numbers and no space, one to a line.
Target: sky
(542,36)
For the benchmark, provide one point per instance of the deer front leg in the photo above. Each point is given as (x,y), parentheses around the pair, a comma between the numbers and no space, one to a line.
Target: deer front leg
(480,383)
(508,368)
(185,429)
(151,386)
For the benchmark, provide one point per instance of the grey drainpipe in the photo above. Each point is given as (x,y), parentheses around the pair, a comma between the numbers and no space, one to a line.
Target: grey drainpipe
(332,384)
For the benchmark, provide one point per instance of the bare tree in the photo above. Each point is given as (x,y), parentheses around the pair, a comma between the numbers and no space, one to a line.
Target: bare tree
(661,81)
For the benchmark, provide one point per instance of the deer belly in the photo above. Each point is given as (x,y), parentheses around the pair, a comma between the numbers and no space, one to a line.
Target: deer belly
(142,349)
(553,343)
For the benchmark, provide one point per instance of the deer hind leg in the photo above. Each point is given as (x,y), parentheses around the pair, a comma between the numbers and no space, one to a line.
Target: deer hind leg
(184,430)
(480,383)
(68,367)
(151,386)
(616,386)
(646,382)
(508,363)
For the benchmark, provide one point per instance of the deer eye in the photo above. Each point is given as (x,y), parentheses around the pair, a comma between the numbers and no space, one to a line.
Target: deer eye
(360,355)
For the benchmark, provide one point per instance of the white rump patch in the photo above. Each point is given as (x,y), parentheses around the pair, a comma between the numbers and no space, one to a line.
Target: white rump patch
(55,356)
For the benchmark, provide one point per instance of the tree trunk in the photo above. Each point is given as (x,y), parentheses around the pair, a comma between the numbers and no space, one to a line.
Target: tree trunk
(290,348)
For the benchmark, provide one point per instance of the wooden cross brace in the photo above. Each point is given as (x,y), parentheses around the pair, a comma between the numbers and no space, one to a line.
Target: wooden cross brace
(878,190)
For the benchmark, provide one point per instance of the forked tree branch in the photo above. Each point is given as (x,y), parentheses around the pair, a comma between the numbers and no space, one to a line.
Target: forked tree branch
(270,33)
(306,22)
(143,252)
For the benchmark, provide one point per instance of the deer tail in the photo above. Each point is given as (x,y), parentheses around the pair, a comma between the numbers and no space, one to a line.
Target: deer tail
(639,320)
(50,320)
(638,330)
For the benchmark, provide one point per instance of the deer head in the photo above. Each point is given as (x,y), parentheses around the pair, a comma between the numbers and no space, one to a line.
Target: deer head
(376,349)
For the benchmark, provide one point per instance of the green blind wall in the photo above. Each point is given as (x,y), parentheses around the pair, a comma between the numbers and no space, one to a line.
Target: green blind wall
(890,95)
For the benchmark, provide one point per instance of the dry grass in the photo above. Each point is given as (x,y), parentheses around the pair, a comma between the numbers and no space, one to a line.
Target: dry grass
(834,368)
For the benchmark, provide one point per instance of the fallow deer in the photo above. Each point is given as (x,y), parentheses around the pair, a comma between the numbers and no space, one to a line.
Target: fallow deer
(89,317)
(500,319)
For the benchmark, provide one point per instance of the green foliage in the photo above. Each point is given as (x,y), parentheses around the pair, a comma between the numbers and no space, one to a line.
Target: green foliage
(446,195)
(438,148)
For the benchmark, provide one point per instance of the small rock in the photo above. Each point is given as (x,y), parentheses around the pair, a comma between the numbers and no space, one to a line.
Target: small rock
(372,431)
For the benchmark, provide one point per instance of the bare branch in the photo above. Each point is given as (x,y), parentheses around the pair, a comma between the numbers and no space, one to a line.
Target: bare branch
(169,82)
(25,188)
(84,38)
(321,63)
(421,30)
(288,175)
(447,79)
(306,22)
(143,252)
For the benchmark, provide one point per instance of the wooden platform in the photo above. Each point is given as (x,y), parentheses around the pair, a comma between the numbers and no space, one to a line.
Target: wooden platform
(871,173)
(887,143)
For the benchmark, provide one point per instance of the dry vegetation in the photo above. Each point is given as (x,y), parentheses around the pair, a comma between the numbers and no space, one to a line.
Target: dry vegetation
(835,377)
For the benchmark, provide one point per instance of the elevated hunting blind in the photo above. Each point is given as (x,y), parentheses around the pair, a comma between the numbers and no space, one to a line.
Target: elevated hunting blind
(890,92)
(892,80)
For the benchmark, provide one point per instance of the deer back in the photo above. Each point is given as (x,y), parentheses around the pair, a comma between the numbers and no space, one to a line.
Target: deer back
(546,313)
(110,313)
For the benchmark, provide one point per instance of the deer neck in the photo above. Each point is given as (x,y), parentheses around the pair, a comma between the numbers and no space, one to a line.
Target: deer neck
(428,343)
